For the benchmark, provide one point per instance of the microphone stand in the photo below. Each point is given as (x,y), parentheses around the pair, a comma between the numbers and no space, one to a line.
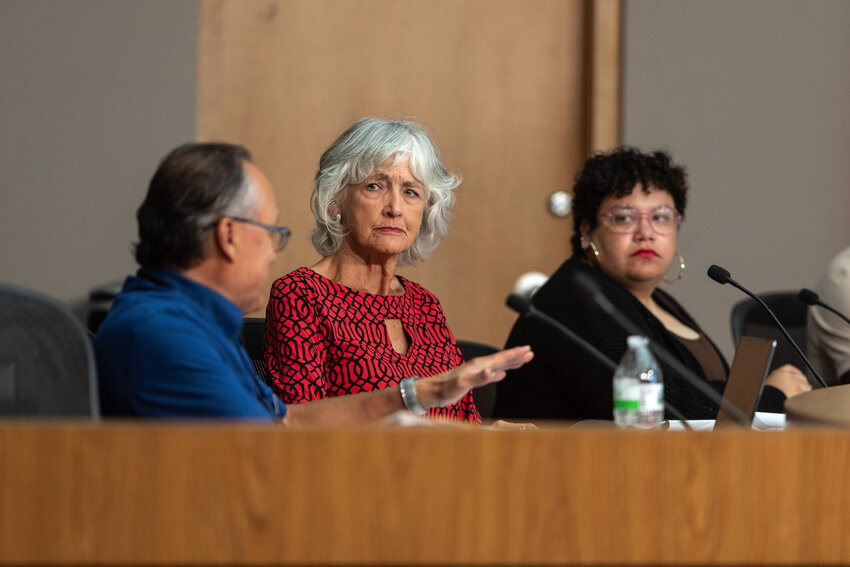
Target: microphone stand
(524,307)
(721,276)
(809,297)
(686,373)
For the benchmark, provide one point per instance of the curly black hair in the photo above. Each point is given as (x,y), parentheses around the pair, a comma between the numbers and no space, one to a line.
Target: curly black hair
(617,173)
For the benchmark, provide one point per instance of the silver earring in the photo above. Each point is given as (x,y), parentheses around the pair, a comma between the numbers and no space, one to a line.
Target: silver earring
(338,217)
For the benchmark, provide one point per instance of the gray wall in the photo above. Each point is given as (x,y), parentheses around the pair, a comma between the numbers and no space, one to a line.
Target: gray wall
(93,93)
(754,97)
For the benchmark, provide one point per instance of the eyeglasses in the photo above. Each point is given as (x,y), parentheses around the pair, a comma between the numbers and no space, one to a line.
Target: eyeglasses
(279,234)
(623,220)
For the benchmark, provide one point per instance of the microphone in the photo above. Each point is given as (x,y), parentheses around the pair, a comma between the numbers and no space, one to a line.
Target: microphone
(809,297)
(719,275)
(722,276)
(524,307)
(688,375)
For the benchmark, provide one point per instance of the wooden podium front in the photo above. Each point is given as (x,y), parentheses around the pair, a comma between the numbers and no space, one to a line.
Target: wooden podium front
(155,493)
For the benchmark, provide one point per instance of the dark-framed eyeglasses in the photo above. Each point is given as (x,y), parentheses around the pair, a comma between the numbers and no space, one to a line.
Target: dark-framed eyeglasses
(279,234)
(623,220)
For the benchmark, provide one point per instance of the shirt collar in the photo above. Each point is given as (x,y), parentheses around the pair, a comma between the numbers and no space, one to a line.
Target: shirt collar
(223,311)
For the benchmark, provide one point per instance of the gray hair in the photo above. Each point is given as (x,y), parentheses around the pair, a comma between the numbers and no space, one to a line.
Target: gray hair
(355,155)
(194,186)
(245,203)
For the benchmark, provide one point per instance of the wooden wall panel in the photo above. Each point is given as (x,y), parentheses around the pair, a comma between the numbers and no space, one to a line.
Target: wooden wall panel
(501,85)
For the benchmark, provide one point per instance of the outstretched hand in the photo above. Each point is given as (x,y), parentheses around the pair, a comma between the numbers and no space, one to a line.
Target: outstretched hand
(449,387)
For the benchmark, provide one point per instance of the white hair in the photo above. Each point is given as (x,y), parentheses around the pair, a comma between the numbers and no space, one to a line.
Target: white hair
(355,155)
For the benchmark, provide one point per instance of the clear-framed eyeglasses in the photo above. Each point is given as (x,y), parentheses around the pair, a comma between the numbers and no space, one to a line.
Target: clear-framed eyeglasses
(623,220)
(279,234)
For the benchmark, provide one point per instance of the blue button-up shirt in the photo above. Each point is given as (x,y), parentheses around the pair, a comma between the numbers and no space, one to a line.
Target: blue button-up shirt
(170,348)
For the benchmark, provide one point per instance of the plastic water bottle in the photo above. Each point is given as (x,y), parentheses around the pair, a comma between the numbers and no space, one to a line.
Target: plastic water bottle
(638,387)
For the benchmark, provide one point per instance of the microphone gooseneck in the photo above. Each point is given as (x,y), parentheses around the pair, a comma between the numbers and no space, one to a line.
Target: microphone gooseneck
(523,306)
(809,297)
(593,291)
(715,272)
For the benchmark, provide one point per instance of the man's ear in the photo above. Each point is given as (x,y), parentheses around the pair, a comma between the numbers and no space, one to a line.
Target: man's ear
(225,238)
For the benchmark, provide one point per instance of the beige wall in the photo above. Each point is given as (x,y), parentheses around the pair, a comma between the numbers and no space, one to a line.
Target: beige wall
(754,97)
(93,93)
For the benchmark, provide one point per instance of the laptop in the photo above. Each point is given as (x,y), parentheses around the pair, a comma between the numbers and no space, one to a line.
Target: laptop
(746,380)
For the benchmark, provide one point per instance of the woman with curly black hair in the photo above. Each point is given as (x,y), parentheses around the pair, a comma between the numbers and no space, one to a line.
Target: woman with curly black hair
(628,206)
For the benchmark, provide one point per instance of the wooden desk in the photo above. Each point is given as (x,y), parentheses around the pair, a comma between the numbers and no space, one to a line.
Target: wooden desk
(142,493)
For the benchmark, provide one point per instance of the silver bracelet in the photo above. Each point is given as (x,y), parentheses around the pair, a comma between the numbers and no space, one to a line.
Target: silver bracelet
(409,397)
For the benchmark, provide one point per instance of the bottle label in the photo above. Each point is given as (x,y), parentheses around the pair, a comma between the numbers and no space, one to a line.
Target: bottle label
(626,395)
(652,397)
(638,397)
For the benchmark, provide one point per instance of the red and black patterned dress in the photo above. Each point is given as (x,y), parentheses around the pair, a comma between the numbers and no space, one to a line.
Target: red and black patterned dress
(324,339)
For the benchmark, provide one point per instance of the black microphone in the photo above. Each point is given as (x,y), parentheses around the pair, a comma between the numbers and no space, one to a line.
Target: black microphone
(809,297)
(718,274)
(688,375)
(722,276)
(523,306)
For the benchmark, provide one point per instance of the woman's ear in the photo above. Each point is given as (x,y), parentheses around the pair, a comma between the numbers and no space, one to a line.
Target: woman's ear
(584,230)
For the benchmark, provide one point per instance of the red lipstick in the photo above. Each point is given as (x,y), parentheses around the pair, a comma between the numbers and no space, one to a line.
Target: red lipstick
(646,253)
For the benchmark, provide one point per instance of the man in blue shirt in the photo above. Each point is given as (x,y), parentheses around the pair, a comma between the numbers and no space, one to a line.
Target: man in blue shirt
(170,344)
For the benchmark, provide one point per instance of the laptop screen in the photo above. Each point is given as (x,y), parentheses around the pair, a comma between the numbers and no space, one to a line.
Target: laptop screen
(746,379)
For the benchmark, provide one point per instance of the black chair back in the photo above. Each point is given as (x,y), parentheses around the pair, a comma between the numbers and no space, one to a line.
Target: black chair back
(253,329)
(100,302)
(748,318)
(47,366)
(485,396)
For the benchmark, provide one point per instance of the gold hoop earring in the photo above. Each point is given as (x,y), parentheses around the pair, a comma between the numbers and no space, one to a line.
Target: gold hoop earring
(593,247)
(681,270)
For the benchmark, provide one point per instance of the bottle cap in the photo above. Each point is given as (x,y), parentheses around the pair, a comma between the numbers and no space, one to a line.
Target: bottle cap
(636,341)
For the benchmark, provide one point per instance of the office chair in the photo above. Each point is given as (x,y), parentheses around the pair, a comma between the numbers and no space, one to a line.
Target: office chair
(100,302)
(253,329)
(47,367)
(748,318)
(484,396)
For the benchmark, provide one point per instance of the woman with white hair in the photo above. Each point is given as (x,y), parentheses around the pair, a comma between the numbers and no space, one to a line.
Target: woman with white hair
(382,199)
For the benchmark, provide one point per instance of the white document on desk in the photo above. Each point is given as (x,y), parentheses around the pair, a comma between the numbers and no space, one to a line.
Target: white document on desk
(763,421)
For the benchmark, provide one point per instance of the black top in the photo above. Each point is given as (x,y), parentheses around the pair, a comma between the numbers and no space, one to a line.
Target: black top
(564,382)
